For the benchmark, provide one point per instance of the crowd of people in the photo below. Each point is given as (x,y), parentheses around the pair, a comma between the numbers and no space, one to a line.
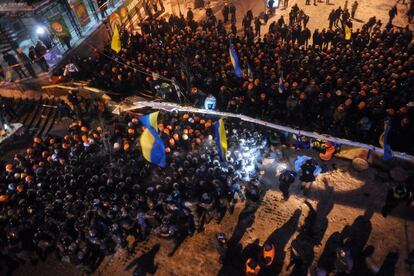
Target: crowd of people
(91,192)
(22,65)
(84,195)
(316,81)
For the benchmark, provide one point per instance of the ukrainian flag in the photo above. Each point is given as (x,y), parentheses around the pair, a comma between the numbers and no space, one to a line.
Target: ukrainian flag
(116,41)
(221,139)
(235,61)
(152,146)
(250,73)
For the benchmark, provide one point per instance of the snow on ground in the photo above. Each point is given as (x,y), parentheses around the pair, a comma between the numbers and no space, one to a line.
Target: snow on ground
(318,14)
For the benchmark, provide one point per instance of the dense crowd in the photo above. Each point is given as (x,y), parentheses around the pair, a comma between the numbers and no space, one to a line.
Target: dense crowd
(86,194)
(331,85)
(91,192)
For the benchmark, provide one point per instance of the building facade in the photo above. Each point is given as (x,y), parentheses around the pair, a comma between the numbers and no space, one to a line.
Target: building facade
(55,22)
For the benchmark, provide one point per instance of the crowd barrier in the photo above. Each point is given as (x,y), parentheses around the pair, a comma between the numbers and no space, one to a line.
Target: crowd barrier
(172,106)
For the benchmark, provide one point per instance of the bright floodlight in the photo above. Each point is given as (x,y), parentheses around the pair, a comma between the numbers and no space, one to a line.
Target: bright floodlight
(40,30)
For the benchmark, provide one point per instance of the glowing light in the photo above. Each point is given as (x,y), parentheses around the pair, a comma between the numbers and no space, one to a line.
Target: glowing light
(40,30)
(210,102)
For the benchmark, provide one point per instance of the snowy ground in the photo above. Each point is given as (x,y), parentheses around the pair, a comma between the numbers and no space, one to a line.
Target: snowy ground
(318,14)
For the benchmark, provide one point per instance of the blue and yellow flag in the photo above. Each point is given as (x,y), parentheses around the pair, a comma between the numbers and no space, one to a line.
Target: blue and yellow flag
(384,140)
(250,73)
(221,139)
(153,148)
(235,61)
(348,33)
(116,41)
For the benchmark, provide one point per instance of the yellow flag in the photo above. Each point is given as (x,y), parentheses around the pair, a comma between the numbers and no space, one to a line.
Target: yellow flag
(154,120)
(348,33)
(116,41)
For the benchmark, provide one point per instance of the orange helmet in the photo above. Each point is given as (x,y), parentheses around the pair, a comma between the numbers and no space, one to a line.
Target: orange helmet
(3,198)
(131,131)
(172,142)
(19,188)
(9,167)
(62,161)
(126,147)
(84,129)
(84,138)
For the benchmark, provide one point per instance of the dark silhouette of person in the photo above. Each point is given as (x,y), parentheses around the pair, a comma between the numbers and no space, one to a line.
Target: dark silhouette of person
(145,263)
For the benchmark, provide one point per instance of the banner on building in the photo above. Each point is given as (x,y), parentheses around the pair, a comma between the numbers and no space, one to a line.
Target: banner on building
(59,27)
(124,15)
(81,13)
